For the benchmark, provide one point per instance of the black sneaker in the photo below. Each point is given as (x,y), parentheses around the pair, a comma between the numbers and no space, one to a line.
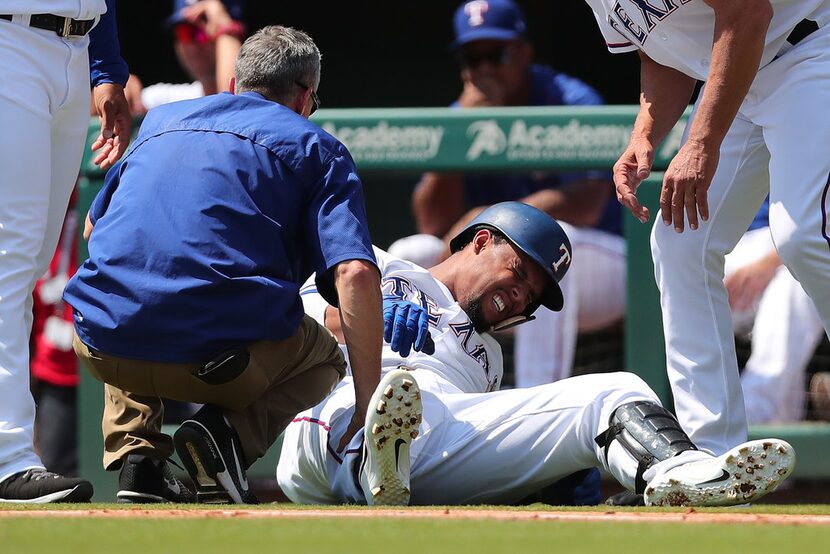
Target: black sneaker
(38,486)
(144,480)
(210,451)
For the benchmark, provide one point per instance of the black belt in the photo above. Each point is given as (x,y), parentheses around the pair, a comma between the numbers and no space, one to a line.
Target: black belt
(62,26)
(801,31)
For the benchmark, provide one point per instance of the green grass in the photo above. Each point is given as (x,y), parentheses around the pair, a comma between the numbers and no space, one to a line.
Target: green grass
(228,535)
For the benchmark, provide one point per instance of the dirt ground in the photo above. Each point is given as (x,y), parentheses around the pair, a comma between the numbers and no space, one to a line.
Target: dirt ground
(688,516)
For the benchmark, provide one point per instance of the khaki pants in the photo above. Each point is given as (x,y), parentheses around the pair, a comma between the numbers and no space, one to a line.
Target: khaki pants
(282,379)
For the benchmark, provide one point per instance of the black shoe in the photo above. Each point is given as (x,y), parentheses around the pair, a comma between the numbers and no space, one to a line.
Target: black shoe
(144,480)
(38,486)
(626,498)
(210,451)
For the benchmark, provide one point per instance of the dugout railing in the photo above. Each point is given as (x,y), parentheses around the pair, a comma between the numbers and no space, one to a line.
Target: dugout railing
(411,140)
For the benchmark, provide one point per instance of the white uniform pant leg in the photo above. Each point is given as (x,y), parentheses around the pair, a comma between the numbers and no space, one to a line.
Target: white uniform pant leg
(44,111)
(594,293)
(794,93)
(499,447)
(786,332)
(689,269)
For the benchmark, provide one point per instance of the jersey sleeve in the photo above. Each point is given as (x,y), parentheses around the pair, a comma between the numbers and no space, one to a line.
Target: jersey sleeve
(105,62)
(615,41)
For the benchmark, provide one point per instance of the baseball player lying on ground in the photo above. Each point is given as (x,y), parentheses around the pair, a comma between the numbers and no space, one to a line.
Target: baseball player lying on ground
(436,428)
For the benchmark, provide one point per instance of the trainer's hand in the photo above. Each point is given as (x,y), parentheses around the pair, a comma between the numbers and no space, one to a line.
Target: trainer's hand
(405,326)
(686,183)
(112,106)
(630,170)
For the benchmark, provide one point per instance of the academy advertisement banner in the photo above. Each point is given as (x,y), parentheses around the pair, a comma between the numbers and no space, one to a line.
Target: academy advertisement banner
(559,137)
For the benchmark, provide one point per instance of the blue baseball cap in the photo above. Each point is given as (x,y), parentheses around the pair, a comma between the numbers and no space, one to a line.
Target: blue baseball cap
(488,19)
(234,8)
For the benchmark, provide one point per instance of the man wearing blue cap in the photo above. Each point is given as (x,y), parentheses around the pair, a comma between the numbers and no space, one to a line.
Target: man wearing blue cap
(207,36)
(497,69)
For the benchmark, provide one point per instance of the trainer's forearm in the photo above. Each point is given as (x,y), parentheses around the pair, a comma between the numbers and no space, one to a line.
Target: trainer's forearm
(358,290)
(739,36)
(664,94)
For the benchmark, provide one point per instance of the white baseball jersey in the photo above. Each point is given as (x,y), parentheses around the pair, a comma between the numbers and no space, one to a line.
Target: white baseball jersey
(76,9)
(776,145)
(679,33)
(474,446)
(470,361)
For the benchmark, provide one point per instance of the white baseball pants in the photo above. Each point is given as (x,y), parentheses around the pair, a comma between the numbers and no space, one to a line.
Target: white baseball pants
(493,447)
(786,330)
(44,116)
(779,143)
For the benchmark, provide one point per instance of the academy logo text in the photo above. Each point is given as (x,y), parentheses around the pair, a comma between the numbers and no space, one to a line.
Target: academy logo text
(383,142)
(572,141)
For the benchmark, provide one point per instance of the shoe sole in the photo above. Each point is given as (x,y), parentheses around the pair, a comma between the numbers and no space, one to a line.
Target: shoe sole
(392,422)
(754,469)
(132,497)
(80,493)
(205,465)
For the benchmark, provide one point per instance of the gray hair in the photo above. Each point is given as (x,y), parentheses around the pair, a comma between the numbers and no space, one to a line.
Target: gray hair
(275,61)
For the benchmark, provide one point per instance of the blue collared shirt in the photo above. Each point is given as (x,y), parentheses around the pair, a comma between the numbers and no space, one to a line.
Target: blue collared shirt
(208,226)
(547,88)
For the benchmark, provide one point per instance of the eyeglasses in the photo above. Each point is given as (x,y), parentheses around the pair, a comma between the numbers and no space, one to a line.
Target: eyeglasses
(471,60)
(315,100)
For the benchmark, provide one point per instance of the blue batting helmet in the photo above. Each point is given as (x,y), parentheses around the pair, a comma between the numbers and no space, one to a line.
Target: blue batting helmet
(533,232)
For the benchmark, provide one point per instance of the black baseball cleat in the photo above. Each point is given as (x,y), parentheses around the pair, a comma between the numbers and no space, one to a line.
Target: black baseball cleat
(392,423)
(38,486)
(144,480)
(212,454)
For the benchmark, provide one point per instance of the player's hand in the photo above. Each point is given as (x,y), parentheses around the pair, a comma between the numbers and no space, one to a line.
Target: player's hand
(112,106)
(406,326)
(210,15)
(746,284)
(630,170)
(686,183)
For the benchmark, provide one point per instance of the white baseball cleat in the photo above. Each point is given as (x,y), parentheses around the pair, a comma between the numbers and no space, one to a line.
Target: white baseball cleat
(392,421)
(742,475)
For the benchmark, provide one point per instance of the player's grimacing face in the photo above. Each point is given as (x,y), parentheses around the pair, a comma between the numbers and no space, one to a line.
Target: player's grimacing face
(502,285)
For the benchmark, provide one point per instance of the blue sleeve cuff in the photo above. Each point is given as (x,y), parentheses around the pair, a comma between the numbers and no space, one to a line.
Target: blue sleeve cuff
(105,62)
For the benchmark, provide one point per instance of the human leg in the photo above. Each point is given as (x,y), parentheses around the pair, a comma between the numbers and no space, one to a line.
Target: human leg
(786,332)
(57,430)
(700,348)
(798,142)
(47,74)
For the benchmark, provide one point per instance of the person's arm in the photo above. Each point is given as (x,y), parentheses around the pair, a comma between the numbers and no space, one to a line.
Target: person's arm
(438,202)
(226,32)
(358,290)
(664,94)
(739,37)
(108,75)
(747,283)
